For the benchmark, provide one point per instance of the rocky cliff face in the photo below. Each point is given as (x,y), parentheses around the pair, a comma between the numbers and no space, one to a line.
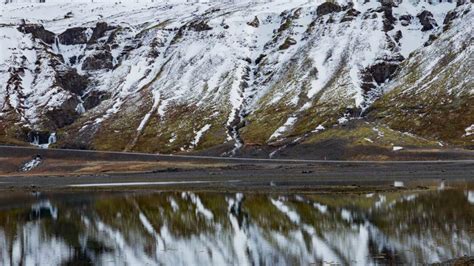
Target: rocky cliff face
(232,78)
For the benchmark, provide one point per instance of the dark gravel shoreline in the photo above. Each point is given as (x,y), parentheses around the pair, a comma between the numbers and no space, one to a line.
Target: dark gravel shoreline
(234,175)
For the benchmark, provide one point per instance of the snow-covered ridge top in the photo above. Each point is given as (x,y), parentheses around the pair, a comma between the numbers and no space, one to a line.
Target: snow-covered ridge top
(57,15)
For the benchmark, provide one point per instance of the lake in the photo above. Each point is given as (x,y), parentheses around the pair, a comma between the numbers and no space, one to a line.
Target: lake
(186,228)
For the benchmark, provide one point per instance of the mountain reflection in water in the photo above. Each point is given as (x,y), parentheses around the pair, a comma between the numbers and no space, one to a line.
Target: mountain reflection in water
(236,229)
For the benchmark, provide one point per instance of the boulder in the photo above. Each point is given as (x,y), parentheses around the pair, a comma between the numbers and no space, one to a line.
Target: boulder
(327,8)
(73,36)
(427,20)
(38,32)
(254,23)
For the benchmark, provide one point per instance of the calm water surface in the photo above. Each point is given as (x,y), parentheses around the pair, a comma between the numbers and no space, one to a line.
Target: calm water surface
(188,228)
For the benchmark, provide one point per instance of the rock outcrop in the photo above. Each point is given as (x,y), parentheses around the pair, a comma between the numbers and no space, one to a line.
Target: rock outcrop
(73,36)
(426,19)
(71,81)
(38,32)
(327,8)
(98,61)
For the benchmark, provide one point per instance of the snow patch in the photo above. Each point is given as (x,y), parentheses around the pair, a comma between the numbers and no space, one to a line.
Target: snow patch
(30,165)
(470,197)
(469,130)
(285,127)
(199,134)
(318,129)
(292,215)
(321,208)
(398,184)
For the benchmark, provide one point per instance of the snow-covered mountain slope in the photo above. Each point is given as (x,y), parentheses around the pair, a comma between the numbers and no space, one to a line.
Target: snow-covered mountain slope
(177,76)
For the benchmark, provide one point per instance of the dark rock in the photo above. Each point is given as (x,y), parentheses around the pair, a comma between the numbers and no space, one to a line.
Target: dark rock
(69,15)
(113,35)
(427,20)
(351,14)
(94,98)
(379,73)
(73,60)
(100,60)
(39,137)
(73,36)
(98,32)
(327,8)
(398,36)
(38,32)
(288,42)
(71,81)
(405,20)
(63,115)
(260,58)
(297,13)
(285,24)
(388,18)
(199,26)
(390,3)
(430,40)
(330,20)
(254,23)
(462,2)
(314,73)
(450,16)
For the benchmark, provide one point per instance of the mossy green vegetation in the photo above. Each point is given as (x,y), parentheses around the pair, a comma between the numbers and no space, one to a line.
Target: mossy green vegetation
(364,133)
(435,105)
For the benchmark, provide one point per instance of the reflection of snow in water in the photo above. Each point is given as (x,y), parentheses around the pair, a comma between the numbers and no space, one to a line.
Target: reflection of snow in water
(237,238)
(410,197)
(346,215)
(381,201)
(174,204)
(33,248)
(199,206)
(322,208)
(398,184)
(442,185)
(294,217)
(470,197)
(44,205)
